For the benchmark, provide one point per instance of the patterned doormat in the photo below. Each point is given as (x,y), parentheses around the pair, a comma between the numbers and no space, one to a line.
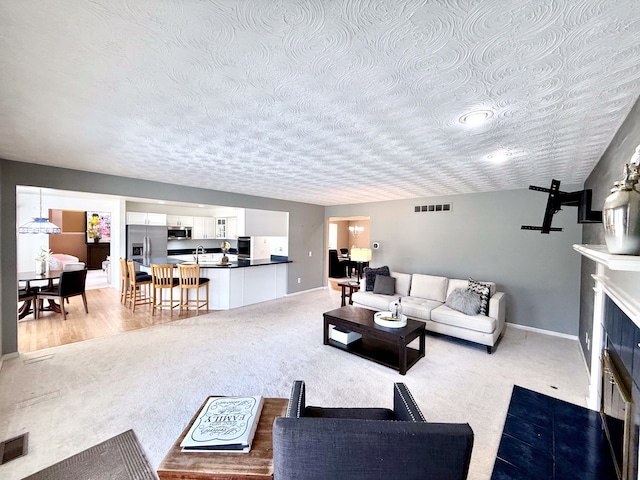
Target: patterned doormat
(120,457)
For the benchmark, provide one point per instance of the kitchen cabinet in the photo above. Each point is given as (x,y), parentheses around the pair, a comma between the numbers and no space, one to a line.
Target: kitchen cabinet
(142,218)
(203,228)
(232,228)
(221,228)
(180,221)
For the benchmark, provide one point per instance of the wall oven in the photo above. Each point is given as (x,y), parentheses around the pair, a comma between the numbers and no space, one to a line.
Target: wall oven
(244,248)
(179,233)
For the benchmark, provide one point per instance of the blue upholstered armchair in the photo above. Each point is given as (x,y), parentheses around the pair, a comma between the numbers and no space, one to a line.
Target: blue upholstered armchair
(315,443)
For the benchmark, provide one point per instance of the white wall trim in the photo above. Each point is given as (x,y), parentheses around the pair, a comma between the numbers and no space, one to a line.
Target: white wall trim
(542,331)
(305,291)
(8,356)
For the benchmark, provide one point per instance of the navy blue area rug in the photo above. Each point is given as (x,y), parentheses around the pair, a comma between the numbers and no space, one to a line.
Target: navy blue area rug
(544,437)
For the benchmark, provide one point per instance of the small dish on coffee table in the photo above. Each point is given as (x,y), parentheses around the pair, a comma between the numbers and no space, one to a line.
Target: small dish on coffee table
(385,319)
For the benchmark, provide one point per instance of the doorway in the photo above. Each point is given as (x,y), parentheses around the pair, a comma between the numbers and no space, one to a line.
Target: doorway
(344,234)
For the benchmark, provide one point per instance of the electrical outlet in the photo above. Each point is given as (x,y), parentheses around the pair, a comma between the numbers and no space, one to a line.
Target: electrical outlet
(298,279)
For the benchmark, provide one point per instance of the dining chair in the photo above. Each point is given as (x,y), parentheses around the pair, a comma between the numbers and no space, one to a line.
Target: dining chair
(29,297)
(189,279)
(71,284)
(139,287)
(162,279)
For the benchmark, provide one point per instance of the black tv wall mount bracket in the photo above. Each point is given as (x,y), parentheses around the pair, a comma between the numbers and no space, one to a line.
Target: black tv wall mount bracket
(557,199)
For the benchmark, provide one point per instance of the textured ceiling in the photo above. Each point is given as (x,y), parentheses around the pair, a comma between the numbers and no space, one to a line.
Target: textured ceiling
(326,102)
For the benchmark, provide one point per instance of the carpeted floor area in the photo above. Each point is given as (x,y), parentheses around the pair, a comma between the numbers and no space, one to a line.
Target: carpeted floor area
(153,380)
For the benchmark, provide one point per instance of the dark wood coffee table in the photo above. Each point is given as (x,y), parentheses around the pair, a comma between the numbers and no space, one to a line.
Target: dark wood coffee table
(386,346)
(257,464)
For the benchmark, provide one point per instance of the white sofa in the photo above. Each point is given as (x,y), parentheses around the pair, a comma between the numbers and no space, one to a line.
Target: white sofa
(64,262)
(423,298)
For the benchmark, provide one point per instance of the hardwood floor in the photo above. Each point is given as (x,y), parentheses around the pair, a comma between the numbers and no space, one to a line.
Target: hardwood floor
(107,316)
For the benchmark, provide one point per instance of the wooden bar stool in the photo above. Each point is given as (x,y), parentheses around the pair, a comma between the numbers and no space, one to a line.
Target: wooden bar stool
(139,287)
(189,278)
(162,278)
(124,281)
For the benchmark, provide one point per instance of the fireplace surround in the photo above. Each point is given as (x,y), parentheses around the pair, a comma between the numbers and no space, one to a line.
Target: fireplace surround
(615,350)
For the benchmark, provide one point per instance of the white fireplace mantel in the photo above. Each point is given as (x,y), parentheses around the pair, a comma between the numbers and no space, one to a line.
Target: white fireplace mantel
(617,276)
(600,254)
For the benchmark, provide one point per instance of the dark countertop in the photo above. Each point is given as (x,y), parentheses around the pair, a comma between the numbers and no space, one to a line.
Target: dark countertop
(188,251)
(146,262)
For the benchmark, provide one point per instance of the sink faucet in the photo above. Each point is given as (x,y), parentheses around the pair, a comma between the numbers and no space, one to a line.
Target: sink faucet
(198,248)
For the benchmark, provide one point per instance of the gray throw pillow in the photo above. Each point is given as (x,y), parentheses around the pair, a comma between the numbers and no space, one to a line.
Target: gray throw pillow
(370,276)
(465,301)
(384,285)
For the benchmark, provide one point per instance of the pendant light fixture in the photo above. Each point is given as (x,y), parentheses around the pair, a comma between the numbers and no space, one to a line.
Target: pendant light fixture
(40,224)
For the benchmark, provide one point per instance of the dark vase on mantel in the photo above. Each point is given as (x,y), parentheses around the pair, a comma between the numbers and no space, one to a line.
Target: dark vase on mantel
(621,212)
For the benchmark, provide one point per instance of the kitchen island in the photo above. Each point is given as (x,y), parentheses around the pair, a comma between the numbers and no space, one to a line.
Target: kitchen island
(239,283)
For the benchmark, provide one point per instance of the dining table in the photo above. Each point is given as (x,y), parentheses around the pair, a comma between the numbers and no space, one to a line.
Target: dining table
(27,277)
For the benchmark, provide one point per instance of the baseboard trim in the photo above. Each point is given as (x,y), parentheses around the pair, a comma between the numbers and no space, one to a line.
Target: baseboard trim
(305,291)
(8,356)
(542,331)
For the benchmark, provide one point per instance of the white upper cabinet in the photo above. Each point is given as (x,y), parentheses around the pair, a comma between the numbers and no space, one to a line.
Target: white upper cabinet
(143,218)
(232,228)
(221,227)
(180,221)
(203,227)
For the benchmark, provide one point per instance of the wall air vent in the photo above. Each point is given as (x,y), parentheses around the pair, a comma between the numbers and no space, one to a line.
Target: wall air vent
(439,207)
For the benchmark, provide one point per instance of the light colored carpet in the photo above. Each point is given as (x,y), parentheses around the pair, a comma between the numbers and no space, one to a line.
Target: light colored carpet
(153,380)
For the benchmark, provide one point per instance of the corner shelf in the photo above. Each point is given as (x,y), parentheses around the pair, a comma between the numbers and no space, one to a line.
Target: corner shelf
(600,254)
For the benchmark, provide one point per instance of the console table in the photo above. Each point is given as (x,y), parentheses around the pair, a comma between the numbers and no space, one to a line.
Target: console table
(257,464)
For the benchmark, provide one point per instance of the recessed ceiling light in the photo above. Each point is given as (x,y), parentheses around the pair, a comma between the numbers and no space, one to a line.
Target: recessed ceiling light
(475,118)
(499,156)
(160,201)
(201,206)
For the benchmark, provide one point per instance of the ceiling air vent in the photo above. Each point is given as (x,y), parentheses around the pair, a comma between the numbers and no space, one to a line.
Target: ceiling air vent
(436,207)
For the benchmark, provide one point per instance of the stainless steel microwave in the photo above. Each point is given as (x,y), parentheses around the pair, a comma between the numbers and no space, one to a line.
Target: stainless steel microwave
(179,233)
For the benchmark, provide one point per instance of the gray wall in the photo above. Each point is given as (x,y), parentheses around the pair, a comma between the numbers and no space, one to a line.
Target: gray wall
(306,223)
(608,171)
(481,238)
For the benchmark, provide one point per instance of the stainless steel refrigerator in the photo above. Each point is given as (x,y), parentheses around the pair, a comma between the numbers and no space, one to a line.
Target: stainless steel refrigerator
(146,241)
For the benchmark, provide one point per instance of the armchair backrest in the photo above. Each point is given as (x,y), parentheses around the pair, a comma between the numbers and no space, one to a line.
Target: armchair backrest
(72,282)
(310,448)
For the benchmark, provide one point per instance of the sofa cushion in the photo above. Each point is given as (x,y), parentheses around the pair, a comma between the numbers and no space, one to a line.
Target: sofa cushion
(418,308)
(403,283)
(373,301)
(449,316)
(429,287)
(464,300)
(484,290)
(385,285)
(370,276)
